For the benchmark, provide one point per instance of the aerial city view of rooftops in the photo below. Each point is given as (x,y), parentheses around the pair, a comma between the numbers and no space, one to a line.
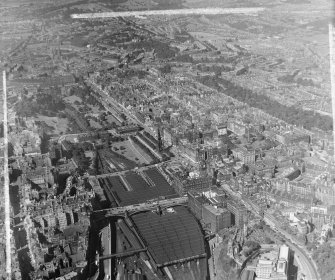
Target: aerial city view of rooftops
(167,140)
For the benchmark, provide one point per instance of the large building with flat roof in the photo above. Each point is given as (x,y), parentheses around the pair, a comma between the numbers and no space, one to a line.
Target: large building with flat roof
(216,218)
(174,239)
(239,212)
(273,265)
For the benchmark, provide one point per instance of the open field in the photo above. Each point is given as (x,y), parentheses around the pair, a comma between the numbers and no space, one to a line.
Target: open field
(54,125)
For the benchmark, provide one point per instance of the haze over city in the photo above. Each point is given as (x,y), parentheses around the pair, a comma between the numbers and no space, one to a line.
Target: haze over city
(167,140)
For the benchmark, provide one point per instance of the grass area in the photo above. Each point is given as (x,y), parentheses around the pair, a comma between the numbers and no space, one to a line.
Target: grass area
(227,266)
(75,101)
(53,125)
(95,124)
(94,109)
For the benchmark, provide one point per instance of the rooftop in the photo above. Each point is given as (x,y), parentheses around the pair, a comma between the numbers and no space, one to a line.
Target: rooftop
(171,237)
(140,191)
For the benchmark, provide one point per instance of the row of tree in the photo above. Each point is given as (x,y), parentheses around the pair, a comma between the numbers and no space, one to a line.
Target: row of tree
(290,114)
(47,103)
(162,50)
(324,257)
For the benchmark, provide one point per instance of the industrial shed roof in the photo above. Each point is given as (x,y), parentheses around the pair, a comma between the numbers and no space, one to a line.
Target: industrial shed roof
(170,237)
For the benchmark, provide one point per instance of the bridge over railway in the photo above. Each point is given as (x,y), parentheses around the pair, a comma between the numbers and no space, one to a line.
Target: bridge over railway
(132,209)
(61,138)
(119,255)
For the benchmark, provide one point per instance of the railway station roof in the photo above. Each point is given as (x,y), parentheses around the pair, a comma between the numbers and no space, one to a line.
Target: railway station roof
(171,237)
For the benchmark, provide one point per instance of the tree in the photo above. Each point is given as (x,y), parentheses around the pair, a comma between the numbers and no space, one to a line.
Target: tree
(290,114)
(268,240)
(324,257)
(166,69)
